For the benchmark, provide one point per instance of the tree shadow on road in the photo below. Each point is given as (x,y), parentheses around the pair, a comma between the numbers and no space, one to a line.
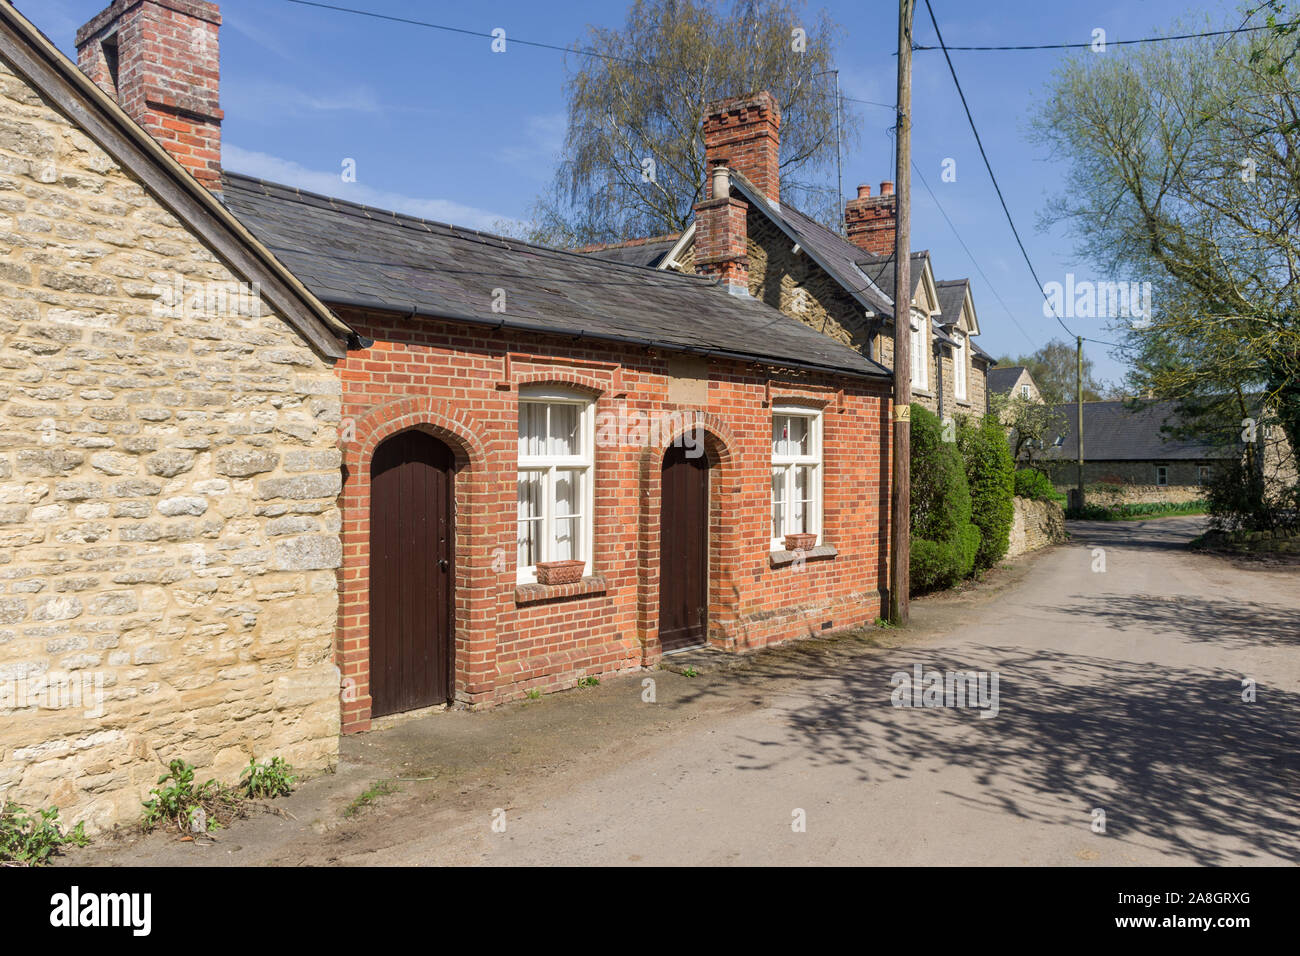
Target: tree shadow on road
(1230,623)
(1172,755)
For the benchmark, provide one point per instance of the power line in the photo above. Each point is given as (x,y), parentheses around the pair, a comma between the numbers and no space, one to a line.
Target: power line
(1109,43)
(579,51)
(970,255)
(989,166)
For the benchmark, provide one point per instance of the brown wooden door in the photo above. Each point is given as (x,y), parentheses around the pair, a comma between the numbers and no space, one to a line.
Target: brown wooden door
(684,551)
(412,570)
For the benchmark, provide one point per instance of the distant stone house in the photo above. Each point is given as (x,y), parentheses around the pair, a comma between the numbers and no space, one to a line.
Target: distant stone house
(1013,381)
(275,464)
(763,247)
(1127,455)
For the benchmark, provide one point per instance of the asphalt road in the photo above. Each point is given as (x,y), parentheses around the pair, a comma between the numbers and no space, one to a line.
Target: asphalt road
(1119,701)
(1119,691)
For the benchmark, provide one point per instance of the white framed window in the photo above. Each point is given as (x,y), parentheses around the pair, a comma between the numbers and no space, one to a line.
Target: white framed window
(1202,474)
(556,474)
(1024,391)
(920,363)
(1162,475)
(796,473)
(959,366)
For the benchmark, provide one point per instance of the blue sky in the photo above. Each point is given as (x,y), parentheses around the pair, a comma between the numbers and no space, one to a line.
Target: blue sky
(440,126)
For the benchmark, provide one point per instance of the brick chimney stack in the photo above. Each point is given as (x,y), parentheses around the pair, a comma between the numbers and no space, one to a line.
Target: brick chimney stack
(743,133)
(872,222)
(160,59)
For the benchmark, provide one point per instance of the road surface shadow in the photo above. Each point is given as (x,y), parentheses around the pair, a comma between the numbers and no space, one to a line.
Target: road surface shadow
(1170,754)
(1230,623)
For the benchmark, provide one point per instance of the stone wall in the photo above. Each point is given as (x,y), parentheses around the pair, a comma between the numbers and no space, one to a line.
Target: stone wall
(1036,524)
(1131,482)
(169,530)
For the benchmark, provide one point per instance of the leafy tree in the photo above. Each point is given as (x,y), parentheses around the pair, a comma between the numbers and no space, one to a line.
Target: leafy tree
(1055,371)
(944,540)
(1184,170)
(1031,426)
(990,475)
(643,98)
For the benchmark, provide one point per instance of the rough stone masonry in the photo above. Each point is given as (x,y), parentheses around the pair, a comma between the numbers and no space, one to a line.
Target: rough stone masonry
(169,530)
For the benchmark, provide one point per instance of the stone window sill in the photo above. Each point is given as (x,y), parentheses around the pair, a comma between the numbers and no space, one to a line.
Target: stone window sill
(779,559)
(589,586)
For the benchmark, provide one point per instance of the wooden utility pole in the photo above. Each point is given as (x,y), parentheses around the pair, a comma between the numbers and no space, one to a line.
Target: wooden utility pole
(900,500)
(1078,399)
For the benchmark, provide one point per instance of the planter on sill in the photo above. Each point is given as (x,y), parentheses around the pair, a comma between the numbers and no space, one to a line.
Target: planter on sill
(802,541)
(560,572)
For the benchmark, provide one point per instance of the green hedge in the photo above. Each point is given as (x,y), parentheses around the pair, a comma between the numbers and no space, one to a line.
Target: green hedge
(944,539)
(1032,483)
(990,475)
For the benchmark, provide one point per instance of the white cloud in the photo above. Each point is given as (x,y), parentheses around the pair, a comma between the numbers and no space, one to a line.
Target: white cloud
(290,173)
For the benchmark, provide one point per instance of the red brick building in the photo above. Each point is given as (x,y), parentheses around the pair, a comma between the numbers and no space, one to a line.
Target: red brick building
(707,469)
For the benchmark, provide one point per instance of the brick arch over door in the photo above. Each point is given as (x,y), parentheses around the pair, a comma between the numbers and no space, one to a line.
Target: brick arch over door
(475,636)
(725,555)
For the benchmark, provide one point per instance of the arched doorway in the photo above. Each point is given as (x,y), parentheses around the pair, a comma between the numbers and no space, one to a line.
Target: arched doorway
(412,573)
(684,550)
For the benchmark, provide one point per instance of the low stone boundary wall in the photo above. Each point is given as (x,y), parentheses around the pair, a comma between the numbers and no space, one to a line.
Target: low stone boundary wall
(1036,524)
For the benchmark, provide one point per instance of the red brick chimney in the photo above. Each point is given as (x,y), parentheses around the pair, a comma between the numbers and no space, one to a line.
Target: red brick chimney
(721,235)
(744,133)
(872,223)
(160,59)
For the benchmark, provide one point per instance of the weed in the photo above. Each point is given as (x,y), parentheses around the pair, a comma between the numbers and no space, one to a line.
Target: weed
(380,788)
(208,806)
(588,681)
(269,780)
(534,694)
(690,672)
(28,839)
(881,622)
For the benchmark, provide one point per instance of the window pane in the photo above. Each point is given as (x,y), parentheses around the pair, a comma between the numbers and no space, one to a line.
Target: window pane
(530,518)
(567,518)
(565,434)
(532,429)
(791,435)
(778,502)
(804,511)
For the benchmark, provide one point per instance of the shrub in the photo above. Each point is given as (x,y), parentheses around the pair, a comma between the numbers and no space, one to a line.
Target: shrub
(990,475)
(944,541)
(1033,484)
(1240,498)
(28,839)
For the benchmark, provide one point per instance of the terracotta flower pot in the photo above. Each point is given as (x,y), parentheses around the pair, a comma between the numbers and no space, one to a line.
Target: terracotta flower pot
(801,541)
(560,572)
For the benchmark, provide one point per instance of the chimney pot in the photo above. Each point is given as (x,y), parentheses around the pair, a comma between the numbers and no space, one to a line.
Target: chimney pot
(872,222)
(721,182)
(864,192)
(886,188)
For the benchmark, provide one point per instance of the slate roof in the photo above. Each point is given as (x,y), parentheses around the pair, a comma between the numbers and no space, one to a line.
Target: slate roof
(952,296)
(1004,377)
(831,251)
(648,254)
(1113,432)
(353,255)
